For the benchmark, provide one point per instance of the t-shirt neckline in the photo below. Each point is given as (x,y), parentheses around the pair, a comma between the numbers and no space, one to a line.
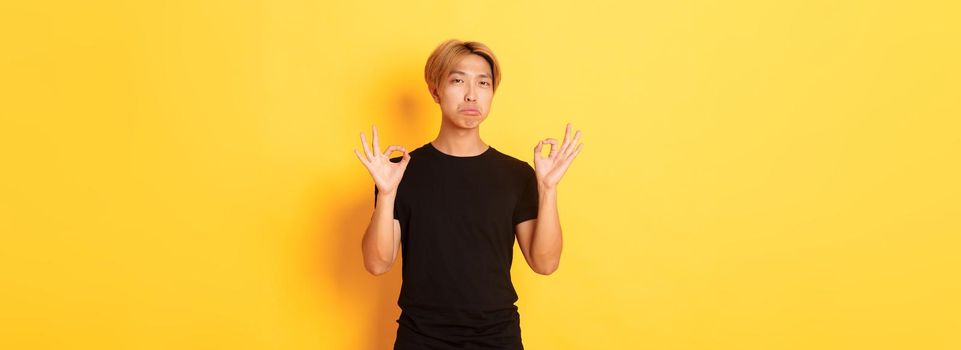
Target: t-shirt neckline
(489,150)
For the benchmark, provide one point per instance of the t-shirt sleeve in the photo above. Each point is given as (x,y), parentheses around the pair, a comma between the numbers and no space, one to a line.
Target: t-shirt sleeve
(526,207)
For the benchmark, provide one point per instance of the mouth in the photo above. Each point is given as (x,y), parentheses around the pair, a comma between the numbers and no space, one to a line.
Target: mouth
(470,111)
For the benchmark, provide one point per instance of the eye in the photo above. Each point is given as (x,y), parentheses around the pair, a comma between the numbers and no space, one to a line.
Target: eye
(485,83)
(456,80)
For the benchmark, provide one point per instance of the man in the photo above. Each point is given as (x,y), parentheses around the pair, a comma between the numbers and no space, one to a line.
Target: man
(456,205)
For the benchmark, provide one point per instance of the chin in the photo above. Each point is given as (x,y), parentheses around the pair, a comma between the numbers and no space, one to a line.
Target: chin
(471,122)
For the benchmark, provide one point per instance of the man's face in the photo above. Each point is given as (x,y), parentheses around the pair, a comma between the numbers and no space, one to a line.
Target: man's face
(465,94)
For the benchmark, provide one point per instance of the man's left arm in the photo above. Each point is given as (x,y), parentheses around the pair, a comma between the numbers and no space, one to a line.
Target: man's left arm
(540,239)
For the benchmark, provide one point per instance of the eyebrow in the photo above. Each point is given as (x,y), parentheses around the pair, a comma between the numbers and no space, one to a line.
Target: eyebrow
(459,72)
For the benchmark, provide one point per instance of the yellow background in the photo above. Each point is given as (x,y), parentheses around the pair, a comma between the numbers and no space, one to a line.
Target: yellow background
(755,175)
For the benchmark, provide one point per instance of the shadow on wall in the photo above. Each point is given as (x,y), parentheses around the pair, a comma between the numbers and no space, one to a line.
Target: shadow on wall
(404,113)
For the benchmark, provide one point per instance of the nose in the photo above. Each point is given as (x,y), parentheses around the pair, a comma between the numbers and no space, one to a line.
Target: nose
(470,95)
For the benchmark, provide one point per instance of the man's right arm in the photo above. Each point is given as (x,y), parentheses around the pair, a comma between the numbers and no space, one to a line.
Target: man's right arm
(382,239)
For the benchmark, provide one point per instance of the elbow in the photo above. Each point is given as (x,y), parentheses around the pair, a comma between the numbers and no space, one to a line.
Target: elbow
(374,264)
(544,264)
(546,270)
(377,269)
(377,273)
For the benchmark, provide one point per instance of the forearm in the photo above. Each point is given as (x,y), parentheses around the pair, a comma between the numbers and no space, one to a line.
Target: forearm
(378,242)
(547,241)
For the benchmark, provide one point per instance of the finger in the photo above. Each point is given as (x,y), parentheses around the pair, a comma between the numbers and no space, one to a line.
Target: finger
(405,160)
(570,147)
(376,139)
(567,139)
(537,150)
(391,149)
(576,151)
(363,141)
(554,148)
(362,160)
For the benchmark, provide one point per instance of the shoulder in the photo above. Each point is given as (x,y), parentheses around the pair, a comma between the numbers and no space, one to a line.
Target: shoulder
(513,163)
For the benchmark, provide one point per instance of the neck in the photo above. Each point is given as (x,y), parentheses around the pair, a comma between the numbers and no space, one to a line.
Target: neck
(457,141)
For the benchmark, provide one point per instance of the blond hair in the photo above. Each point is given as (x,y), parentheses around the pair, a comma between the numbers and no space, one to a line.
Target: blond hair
(452,51)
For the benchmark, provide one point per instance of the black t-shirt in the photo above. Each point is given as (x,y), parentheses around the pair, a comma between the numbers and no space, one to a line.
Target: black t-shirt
(457,218)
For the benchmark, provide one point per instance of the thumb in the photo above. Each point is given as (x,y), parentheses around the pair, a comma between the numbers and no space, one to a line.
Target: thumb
(405,159)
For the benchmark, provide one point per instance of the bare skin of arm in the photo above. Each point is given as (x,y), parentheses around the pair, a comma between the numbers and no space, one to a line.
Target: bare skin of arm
(540,239)
(381,240)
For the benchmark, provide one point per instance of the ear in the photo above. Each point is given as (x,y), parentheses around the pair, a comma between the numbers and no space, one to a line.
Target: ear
(433,93)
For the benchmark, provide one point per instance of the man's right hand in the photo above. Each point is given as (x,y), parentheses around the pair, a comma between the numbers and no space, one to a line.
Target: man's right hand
(386,174)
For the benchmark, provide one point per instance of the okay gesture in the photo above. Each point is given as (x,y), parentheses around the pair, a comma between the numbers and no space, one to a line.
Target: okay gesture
(550,169)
